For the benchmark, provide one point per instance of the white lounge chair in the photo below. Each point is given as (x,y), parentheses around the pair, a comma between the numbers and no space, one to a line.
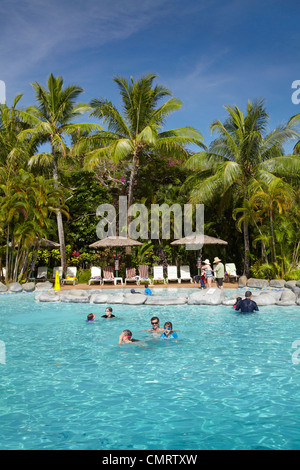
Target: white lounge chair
(172,274)
(185,274)
(71,275)
(108,274)
(158,274)
(60,273)
(42,274)
(95,275)
(230,268)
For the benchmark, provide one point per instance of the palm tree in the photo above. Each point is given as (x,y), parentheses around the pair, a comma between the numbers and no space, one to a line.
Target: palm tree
(136,133)
(241,156)
(51,121)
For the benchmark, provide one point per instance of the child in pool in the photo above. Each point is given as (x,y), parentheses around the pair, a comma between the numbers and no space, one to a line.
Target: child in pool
(168,332)
(90,317)
(237,300)
(126,337)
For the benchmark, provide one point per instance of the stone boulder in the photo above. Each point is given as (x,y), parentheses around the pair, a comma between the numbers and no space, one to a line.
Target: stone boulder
(75,296)
(296,290)
(165,300)
(115,298)
(98,298)
(298,283)
(28,286)
(265,299)
(277,283)
(242,281)
(229,302)
(211,296)
(135,299)
(41,286)
(3,287)
(290,284)
(288,296)
(14,287)
(257,283)
(48,297)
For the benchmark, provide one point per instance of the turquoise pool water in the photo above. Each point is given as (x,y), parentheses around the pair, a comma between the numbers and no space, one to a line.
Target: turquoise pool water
(229,383)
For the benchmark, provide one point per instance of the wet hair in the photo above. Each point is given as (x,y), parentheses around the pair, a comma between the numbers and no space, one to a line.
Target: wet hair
(154,318)
(127,333)
(90,317)
(237,300)
(248,293)
(109,309)
(169,324)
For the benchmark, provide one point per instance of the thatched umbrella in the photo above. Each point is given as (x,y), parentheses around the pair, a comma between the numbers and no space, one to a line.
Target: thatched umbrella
(196,242)
(49,243)
(113,242)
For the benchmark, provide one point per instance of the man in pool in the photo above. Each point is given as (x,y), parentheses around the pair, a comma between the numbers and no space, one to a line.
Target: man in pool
(247,305)
(155,327)
(126,337)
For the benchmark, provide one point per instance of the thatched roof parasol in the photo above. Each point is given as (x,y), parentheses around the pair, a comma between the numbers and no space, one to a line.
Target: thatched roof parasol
(199,240)
(49,243)
(114,242)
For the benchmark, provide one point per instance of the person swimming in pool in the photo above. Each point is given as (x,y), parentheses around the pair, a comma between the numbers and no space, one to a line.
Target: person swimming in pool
(90,317)
(155,326)
(108,313)
(147,290)
(126,337)
(168,332)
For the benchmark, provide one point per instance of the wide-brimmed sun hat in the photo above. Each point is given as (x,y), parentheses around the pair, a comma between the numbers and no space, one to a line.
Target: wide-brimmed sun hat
(216,260)
(206,261)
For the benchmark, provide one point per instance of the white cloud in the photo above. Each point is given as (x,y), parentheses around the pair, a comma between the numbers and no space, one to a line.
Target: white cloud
(34,30)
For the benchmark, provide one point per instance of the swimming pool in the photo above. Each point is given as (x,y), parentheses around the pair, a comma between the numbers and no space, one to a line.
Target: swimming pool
(229,383)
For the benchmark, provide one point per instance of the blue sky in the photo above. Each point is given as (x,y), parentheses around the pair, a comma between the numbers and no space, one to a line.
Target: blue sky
(209,54)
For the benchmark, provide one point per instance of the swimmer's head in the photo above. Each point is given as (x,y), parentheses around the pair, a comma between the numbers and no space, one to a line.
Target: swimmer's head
(168,325)
(90,317)
(127,333)
(248,294)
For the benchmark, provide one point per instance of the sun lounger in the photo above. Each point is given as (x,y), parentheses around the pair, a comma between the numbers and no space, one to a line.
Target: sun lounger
(42,274)
(172,274)
(60,273)
(185,274)
(230,268)
(108,274)
(158,274)
(143,273)
(95,275)
(131,275)
(71,276)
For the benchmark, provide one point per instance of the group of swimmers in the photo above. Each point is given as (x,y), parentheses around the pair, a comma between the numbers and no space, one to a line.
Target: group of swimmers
(166,332)
(246,305)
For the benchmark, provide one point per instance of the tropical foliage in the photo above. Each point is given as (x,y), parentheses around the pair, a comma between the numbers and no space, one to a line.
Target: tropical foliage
(56,171)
